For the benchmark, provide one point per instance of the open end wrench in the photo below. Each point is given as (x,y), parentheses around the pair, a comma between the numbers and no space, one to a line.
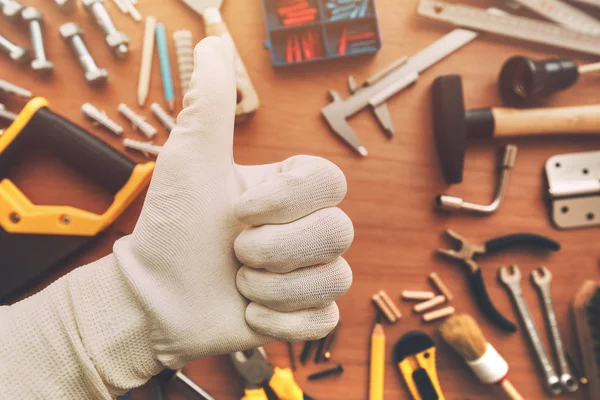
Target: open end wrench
(541,279)
(512,280)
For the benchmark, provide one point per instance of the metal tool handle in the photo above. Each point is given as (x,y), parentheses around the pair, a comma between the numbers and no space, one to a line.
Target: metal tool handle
(566,377)
(247,97)
(484,302)
(521,239)
(552,382)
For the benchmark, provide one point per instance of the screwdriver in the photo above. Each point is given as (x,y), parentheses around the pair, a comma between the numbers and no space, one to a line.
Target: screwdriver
(169,374)
(523,80)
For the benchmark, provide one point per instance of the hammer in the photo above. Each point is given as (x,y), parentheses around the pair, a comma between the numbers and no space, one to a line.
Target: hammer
(453,127)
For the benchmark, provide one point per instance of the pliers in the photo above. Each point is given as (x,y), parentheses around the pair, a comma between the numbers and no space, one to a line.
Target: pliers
(258,373)
(468,252)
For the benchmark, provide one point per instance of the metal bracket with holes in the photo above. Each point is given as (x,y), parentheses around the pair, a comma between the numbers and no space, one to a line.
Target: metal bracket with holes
(574,189)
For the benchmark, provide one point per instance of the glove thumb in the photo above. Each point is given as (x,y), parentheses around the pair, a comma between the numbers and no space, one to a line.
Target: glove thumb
(203,135)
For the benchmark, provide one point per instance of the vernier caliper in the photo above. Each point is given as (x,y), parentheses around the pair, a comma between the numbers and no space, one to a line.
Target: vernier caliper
(385,84)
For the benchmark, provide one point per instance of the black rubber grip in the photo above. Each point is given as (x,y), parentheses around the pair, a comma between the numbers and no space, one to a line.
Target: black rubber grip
(485,303)
(480,124)
(73,145)
(521,239)
(157,389)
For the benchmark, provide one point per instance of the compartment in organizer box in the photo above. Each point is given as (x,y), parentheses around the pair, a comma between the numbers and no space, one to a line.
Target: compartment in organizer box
(305,31)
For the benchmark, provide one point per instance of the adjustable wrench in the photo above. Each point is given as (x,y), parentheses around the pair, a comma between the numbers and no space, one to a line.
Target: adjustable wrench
(512,281)
(541,279)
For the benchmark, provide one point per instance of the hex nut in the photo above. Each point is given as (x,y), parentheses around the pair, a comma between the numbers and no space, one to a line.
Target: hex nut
(31,14)
(117,39)
(97,77)
(69,30)
(12,10)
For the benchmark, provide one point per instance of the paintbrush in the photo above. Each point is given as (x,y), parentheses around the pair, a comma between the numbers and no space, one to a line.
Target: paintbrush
(462,333)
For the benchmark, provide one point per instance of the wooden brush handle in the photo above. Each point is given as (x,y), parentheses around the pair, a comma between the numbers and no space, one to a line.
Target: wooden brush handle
(576,120)
(247,96)
(510,390)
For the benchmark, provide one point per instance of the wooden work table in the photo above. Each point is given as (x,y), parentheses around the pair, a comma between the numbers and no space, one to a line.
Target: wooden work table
(391,192)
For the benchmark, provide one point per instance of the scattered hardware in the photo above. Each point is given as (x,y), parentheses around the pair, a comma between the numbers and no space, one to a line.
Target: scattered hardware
(168,375)
(305,45)
(379,88)
(11,9)
(162,116)
(348,9)
(296,14)
(464,335)
(184,50)
(468,252)
(320,349)
(56,231)
(138,122)
(441,287)
(291,355)
(330,341)
(511,278)
(215,26)
(100,118)
(117,41)
(132,10)
(65,6)
(386,306)
(585,310)
(377,367)
(18,54)
(521,28)
(451,203)
(338,370)
(40,63)
(415,355)
(541,279)
(146,148)
(306,349)
(412,295)
(7,115)
(452,126)
(438,314)
(331,29)
(257,373)
(576,371)
(73,35)
(429,304)
(146,63)
(121,5)
(10,88)
(523,80)
(165,66)
(574,189)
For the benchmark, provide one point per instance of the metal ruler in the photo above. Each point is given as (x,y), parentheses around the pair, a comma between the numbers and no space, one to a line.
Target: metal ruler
(522,28)
(563,14)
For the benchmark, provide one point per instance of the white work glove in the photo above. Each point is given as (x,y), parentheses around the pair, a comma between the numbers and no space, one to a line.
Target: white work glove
(223,258)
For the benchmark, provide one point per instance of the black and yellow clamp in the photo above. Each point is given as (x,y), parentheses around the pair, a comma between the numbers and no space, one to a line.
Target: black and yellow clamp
(33,238)
(414,355)
(259,375)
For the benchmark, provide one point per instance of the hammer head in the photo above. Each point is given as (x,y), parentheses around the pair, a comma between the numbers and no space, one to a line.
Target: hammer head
(450,126)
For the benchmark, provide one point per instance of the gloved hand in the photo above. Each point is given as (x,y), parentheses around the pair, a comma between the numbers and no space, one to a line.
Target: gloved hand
(223,258)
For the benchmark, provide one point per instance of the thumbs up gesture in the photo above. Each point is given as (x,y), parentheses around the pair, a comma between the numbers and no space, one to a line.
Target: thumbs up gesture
(228,257)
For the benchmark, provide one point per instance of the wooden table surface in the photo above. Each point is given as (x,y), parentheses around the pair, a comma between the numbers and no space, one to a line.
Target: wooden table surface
(391,192)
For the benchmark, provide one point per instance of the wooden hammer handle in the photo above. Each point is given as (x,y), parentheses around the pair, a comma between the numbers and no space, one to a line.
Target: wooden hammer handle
(510,390)
(577,120)
(247,96)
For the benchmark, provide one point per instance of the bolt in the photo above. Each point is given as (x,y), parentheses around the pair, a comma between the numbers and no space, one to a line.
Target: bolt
(40,64)
(328,372)
(11,9)
(16,53)
(73,34)
(117,41)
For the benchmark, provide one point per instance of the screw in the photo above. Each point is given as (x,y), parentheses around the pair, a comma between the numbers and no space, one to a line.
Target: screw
(16,53)
(40,64)
(73,34)
(165,119)
(328,372)
(137,121)
(117,41)
(100,118)
(146,148)
(11,9)
(15,218)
